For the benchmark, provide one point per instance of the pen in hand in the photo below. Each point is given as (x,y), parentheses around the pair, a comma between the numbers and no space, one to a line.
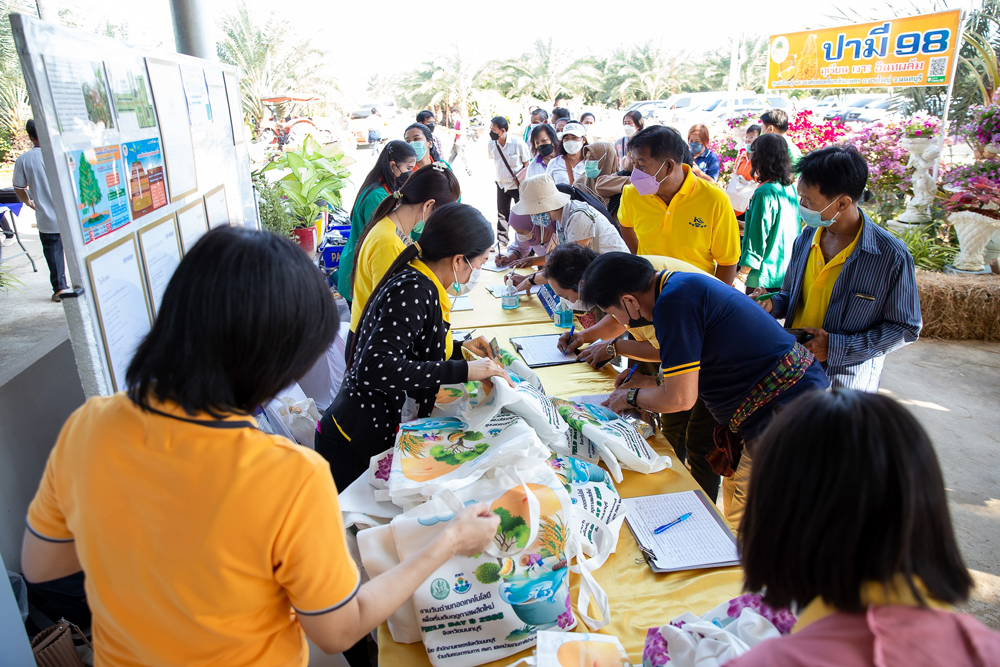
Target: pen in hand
(629,376)
(571,330)
(672,523)
(762,297)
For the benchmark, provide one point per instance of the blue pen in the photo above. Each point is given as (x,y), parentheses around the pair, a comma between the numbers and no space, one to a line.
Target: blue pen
(629,376)
(571,330)
(672,523)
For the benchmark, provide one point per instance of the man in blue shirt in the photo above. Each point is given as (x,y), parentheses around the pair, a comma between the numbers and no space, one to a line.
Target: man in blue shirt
(850,284)
(715,344)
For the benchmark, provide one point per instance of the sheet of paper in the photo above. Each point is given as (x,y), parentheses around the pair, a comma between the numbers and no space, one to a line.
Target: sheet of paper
(161,254)
(461,303)
(219,101)
(142,164)
(80,94)
(99,185)
(541,350)
(121,302)
(491,265)
(218,209)
(192,224)
(178,149)
(131,93)
(592,399)
(695,542)
(496,290)
(196,92)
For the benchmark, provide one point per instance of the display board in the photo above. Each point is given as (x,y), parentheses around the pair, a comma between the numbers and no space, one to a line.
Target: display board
(909,51)
(142,154)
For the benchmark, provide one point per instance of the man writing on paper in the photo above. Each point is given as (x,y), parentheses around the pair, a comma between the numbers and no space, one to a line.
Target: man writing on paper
(715,344)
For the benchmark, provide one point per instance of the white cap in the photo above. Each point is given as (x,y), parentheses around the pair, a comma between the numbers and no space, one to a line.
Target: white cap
(576,129)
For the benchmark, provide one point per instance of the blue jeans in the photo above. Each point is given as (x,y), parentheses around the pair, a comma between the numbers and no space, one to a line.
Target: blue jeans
(52,248)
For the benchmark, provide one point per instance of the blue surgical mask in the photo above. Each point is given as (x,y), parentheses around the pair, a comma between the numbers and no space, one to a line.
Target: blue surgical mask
(815,218)
(541,219)
(420,148)
(592,168)
(696,147)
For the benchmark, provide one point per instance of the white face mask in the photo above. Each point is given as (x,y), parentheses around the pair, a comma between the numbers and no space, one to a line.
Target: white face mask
(466,287)
(629,130)
(572,147)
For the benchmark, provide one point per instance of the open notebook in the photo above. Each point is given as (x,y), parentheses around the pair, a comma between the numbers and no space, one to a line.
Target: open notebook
(702,541)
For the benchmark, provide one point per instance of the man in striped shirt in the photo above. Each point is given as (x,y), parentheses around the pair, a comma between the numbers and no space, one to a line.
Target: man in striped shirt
(850,284)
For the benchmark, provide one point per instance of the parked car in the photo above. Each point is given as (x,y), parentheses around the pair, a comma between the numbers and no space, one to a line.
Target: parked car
(852,103)
(875,111)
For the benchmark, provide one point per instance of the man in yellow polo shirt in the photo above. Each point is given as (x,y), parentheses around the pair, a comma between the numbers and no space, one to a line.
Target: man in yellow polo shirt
(668,211)
(850,284)
(689,432)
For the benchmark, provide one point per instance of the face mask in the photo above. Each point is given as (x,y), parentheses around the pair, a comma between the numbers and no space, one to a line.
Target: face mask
(417,230)
(494,136)
(815,218)
(403,175)
(545,150)
(572,147)
(629,130)
(750,147)
(644,183)
(420,148)
(431,126)
(593,168)
(541,219)
(465,288)
(696,147)
(635,322)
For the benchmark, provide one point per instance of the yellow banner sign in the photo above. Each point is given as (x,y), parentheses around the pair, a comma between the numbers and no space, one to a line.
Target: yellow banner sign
(912,51)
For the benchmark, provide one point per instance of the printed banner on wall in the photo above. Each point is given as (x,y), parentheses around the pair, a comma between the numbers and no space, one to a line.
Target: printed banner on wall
(911,51)
(99,186)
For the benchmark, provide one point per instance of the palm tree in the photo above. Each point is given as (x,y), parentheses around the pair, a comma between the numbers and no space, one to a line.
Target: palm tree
(547,73)
(752,65)
(650,73)
(15,109)
(269,63)
(444,84)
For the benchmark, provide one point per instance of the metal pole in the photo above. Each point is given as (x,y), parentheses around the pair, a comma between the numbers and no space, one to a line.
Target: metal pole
(951,88)
(734,65)
(191,34)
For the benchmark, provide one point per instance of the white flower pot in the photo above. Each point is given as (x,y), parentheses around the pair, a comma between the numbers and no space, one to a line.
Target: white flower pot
(974,232)
(924,153)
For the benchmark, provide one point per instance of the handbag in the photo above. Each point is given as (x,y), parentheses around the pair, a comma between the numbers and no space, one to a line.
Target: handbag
(53,646)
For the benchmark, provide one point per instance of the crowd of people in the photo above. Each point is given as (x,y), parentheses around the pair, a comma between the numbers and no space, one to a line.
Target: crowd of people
(754,322)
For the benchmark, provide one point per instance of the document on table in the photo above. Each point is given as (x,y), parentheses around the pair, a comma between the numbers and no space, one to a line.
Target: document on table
(461,303)
(491,265)
(701,541)
(496,290)
(541,350)
(593,399)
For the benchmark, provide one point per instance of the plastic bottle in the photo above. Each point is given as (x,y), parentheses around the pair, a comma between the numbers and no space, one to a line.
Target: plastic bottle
(563,314)
(509,298)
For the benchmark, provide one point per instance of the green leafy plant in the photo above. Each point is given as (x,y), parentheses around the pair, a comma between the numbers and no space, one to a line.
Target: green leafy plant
(316,175)
(929,245)
(274,215)
(8,280)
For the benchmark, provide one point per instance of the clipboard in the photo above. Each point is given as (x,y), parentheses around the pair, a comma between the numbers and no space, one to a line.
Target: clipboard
(529,349)
(708,524)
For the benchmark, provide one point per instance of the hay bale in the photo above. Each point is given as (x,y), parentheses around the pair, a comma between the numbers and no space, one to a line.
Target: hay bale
(959,307)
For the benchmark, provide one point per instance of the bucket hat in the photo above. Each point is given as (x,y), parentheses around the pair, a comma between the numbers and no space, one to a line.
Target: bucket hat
(539,195)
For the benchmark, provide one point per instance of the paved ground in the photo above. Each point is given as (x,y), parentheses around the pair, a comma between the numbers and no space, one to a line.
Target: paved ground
(952,387)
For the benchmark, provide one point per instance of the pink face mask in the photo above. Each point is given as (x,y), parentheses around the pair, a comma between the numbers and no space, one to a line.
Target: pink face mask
(644,183)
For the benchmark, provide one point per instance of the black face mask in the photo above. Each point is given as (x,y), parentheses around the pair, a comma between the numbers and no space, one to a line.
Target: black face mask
(545,150)
(402,178)
(494,136)
(431,126)
(635,323)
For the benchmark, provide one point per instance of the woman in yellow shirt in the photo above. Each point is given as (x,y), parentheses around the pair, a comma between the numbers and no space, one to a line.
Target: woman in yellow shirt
(395,224)
(204,540)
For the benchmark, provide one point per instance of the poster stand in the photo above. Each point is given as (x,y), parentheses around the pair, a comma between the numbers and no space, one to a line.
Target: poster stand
(128,169)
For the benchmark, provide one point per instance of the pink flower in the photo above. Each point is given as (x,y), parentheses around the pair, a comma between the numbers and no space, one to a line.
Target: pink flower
(654,652)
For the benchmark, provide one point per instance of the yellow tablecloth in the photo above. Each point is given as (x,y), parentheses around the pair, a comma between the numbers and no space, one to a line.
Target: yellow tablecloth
(487,312)
(639,599)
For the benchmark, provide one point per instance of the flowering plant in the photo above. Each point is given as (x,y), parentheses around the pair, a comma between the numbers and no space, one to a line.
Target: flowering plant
(980,195)
(958,177)
(728,149)
(739,120)
(984,124)
(921,126)
(810,135)
(888,178)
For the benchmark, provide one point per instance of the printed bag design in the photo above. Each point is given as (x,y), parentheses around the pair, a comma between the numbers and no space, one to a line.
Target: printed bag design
(474,403)
(597,513)
(531,404)
(618,442)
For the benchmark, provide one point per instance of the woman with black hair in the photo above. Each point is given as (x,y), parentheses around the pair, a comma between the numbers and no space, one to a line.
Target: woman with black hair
(391,170)
(403,348)
(847,519)
(772,221)
(544,145)
(421,140)
(395,224)
(197,532)
(568,166)
(632,122)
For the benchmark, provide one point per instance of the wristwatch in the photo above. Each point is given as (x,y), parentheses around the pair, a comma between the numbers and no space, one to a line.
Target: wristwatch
(610,349)
(632,396)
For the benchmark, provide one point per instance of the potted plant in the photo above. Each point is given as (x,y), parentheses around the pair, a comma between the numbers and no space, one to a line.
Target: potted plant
(274,214)
(316,175)
(975,214)
(983,127)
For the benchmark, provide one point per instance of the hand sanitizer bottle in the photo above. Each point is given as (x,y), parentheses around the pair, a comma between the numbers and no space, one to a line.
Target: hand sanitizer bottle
(508,297)
(563,315)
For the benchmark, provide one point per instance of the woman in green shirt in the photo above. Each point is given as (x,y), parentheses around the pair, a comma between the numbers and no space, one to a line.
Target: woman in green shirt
(772,221)
(388,175)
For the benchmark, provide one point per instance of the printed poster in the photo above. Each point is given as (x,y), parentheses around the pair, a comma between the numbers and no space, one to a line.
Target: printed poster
(99,187)
(80,95)
(142,161)
(910,51)
(196,92)
(132,95)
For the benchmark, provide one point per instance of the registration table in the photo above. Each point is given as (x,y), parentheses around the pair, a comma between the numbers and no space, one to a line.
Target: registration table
(638,598)
(487,312)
